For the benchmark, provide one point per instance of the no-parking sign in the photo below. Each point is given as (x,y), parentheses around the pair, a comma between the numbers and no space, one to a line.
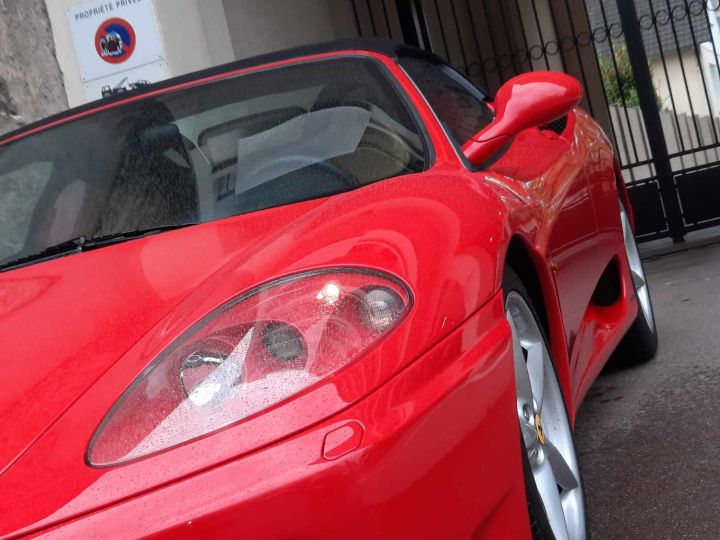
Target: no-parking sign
(115,40)
(116,44)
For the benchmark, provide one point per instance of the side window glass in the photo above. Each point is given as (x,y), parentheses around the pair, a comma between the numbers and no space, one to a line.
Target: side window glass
(458,104)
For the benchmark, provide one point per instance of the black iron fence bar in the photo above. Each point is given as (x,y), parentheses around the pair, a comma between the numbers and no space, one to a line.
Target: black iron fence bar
(621,91)
(621,140)
(540,36)
(357,19)
(687,170)
(508,35)
(409,25)
(652,236)
(693,152)
(682,68)
(700,225)
(372,19)
(575,42)
(387,20)
(553,17)
(700,67)
(643,163)
(459,35)
(523,31)
(442,31)
(651,115)
(605,94)
(663,61)
(493,43)
(644,181)
(481,71)
(418,15)
(646,148)
(656,234)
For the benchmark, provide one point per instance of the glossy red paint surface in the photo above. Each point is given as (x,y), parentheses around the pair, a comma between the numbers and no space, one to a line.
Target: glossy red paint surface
(418,438)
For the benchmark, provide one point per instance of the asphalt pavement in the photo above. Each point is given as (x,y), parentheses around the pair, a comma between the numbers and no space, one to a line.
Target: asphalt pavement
(648,437)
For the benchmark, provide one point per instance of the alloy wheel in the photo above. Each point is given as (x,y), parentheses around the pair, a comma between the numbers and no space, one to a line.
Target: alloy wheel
(544,424)
(636,270)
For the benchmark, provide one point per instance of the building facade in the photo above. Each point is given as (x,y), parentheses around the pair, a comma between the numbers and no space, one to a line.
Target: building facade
(482,37)
(186,35)
(31,84)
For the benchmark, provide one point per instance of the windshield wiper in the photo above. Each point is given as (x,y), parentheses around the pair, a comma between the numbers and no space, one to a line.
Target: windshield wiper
(83,243)
(115,238)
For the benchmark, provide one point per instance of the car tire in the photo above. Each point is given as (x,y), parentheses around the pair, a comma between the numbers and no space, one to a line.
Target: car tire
(553,481)
(640,344)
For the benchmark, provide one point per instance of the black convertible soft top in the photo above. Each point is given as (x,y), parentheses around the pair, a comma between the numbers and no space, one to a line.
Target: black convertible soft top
(386,47)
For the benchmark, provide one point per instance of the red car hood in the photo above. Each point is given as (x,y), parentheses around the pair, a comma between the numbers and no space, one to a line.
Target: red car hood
(72,327)
(64,322)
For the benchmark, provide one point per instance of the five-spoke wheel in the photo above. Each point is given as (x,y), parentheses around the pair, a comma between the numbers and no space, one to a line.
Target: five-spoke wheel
(641,341)
(554,487)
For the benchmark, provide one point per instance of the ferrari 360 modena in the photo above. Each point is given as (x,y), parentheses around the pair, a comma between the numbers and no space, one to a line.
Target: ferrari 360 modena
(331,292)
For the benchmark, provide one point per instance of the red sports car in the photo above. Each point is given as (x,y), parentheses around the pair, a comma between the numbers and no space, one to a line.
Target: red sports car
(333,292)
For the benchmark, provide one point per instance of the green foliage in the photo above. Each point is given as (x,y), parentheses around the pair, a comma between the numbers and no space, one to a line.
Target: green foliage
(618,78)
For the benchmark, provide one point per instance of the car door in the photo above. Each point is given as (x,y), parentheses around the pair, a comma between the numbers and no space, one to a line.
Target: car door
(551,164)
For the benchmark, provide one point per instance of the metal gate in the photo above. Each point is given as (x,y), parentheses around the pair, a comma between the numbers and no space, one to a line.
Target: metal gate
(651,70)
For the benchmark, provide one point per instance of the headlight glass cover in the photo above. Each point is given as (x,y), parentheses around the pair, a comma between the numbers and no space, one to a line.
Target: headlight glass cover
(249,355)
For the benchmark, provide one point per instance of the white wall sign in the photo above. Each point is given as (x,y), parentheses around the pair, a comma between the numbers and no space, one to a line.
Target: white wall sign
(116,44)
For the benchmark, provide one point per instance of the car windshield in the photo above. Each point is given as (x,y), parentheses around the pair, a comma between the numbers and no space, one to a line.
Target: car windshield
(222,148)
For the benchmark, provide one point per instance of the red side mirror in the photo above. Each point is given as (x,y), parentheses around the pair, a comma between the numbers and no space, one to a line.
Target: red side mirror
(526,101)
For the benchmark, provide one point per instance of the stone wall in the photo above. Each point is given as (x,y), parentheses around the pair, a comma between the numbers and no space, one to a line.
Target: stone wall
(31,85)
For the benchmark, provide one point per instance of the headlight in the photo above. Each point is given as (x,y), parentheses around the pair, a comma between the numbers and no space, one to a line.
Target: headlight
(250,354)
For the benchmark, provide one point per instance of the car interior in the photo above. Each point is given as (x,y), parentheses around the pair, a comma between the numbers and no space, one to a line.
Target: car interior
(218,150)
